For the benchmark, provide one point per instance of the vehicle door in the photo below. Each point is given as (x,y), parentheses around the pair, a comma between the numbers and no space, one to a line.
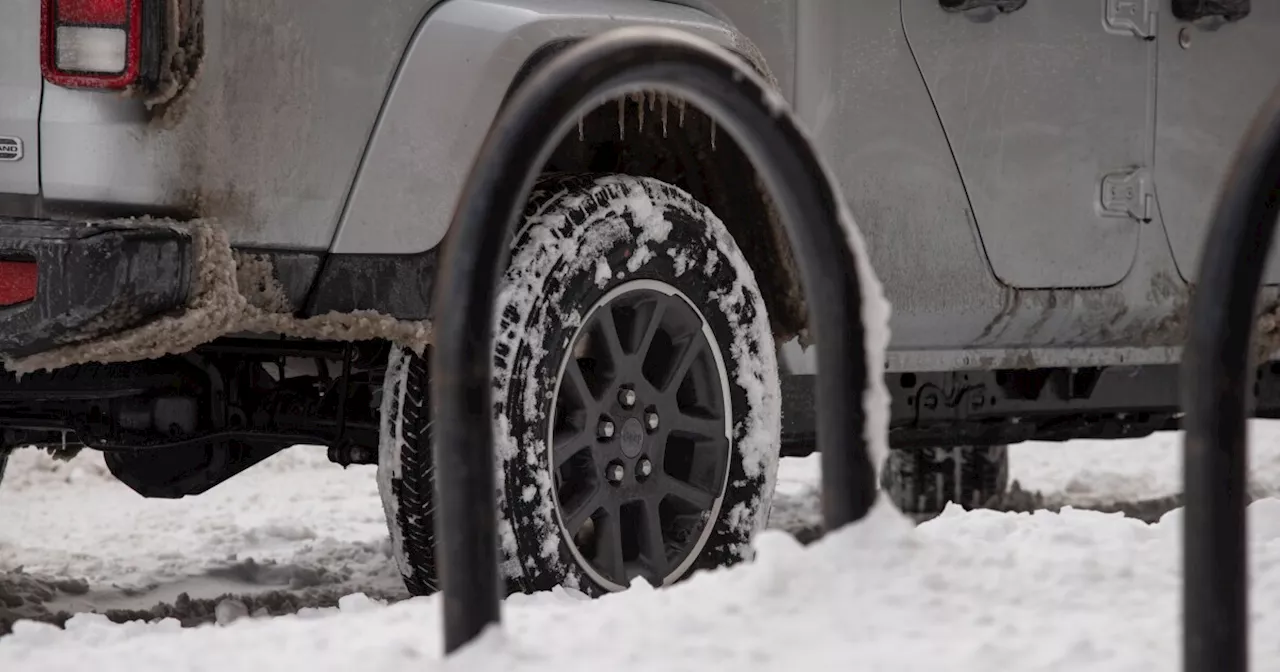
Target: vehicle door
(1218,62)
(1047,107)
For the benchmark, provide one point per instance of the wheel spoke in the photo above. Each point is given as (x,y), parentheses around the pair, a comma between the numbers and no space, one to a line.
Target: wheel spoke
(651,543)
(573,376)
(609,330)
(687,493)
(707,428)
(650,330)
(568,445)
(658,455)
(693,348)
(577,517)
(609,545)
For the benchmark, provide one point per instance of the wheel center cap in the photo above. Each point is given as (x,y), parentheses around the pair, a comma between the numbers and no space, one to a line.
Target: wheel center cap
(632,438)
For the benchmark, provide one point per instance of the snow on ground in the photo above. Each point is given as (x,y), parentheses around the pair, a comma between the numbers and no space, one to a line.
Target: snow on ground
(967,591)
(980,591)
(1091,472)
(294,521)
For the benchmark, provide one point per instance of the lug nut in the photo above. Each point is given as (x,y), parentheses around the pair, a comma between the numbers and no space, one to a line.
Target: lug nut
(627,397)
(651,420)
(645,467)
(605,430)
(614,473)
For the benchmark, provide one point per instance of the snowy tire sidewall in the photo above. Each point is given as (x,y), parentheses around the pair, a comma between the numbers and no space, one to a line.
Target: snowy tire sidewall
(406,470)
(582,237)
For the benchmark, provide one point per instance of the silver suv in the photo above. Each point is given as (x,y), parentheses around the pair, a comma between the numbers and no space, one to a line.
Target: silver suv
(219,224)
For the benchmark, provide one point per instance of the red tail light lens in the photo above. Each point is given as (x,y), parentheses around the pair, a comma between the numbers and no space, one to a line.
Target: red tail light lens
(17,282)
(99,44)
(93,12)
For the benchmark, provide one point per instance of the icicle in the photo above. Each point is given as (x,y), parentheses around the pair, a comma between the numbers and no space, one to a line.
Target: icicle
(713,135)
(582,136)
(640,104)
(653,98)
(622,118)
(680,105)
(665,100)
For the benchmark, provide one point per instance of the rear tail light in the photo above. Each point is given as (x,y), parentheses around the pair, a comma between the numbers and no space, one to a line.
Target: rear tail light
(101,44)
(17,282)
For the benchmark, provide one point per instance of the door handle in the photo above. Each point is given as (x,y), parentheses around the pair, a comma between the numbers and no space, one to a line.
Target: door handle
(1001,6)
(1226,10)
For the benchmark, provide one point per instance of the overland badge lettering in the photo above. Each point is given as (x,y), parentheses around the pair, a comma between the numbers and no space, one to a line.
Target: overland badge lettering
(10,148)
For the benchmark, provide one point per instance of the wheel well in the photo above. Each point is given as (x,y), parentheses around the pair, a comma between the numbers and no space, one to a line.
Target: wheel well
(646,135)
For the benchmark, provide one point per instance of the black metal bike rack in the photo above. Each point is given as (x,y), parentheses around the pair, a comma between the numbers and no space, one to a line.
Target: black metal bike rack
(1216,379)
(477,250)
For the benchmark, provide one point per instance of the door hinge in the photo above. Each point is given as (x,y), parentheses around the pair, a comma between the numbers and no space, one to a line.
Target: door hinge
(1130,17)
(1128,193)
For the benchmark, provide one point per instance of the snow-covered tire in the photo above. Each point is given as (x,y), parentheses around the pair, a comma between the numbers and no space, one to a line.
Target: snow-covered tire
(406,470)
(924,480)
(598,250)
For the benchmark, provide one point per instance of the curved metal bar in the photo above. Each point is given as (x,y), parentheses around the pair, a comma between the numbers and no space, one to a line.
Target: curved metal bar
(477,250)
(1215,380)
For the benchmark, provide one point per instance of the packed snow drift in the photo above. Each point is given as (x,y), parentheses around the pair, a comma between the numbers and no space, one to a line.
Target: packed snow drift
(977,590)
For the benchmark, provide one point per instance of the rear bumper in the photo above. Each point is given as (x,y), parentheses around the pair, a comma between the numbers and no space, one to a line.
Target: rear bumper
(92,279)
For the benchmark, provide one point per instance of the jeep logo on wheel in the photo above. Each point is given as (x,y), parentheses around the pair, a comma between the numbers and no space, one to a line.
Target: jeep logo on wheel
(10,148)
(632,437)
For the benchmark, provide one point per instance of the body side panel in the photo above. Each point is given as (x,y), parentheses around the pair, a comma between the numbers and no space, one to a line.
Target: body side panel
(1210,90)
(267,139)
(859,90)
(20,88)
(1040,104)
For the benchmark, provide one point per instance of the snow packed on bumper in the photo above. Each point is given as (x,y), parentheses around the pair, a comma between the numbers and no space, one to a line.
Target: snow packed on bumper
(232,293)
